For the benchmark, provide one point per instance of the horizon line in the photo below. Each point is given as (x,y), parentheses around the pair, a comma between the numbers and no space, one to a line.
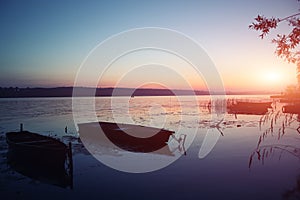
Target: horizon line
(130,88)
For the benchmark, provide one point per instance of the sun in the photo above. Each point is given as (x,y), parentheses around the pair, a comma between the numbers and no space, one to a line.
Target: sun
(273,76)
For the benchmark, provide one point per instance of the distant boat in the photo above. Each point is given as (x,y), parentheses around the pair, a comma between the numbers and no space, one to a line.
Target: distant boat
(277,96)
(127,137)
(248,107)
(35,146)
(291,108)
(288,98)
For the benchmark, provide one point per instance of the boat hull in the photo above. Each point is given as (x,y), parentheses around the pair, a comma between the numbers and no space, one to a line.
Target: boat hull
(41,150)
(127,137)
(249,108)
(292,109)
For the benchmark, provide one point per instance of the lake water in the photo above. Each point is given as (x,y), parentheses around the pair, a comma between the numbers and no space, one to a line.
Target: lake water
(254,157)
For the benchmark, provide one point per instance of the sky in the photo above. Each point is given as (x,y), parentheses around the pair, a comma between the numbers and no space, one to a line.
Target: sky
(44,43)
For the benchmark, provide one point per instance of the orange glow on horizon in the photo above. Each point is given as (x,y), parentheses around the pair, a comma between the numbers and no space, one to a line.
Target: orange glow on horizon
(264,79)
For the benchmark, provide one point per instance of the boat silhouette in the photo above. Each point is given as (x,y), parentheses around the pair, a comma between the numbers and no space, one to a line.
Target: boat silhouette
(248,107)
(40,157)
(292,108)
(126,137)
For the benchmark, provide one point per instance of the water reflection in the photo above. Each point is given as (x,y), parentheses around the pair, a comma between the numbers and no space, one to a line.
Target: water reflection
(37,169)
(227,162)
(180,146)
(279,137)
(293,193)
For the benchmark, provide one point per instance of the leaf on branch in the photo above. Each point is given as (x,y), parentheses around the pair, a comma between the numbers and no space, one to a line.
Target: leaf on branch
(286,46)
(294,22)
(264,25)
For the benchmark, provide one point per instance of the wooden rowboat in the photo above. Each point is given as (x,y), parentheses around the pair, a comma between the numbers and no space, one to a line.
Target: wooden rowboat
(126,137)
(291,108)
(38,148)
(251,108)
(40,157)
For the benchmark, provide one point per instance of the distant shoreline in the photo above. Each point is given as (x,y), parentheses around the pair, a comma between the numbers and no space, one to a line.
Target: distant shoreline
(109,92)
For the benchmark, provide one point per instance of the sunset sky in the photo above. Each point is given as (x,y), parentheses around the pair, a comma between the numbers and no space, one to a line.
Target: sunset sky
(43,43)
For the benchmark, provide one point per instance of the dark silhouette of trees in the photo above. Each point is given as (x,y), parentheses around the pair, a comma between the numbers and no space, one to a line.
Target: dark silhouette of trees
(287,45)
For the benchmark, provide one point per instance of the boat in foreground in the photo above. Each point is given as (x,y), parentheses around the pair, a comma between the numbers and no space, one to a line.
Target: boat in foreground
(40,157)
(39,148)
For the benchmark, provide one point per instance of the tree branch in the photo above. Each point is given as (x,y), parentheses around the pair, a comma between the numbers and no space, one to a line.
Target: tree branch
(291,16)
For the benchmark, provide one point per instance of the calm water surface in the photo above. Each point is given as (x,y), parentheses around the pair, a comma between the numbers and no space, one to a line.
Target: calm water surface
(256,157)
